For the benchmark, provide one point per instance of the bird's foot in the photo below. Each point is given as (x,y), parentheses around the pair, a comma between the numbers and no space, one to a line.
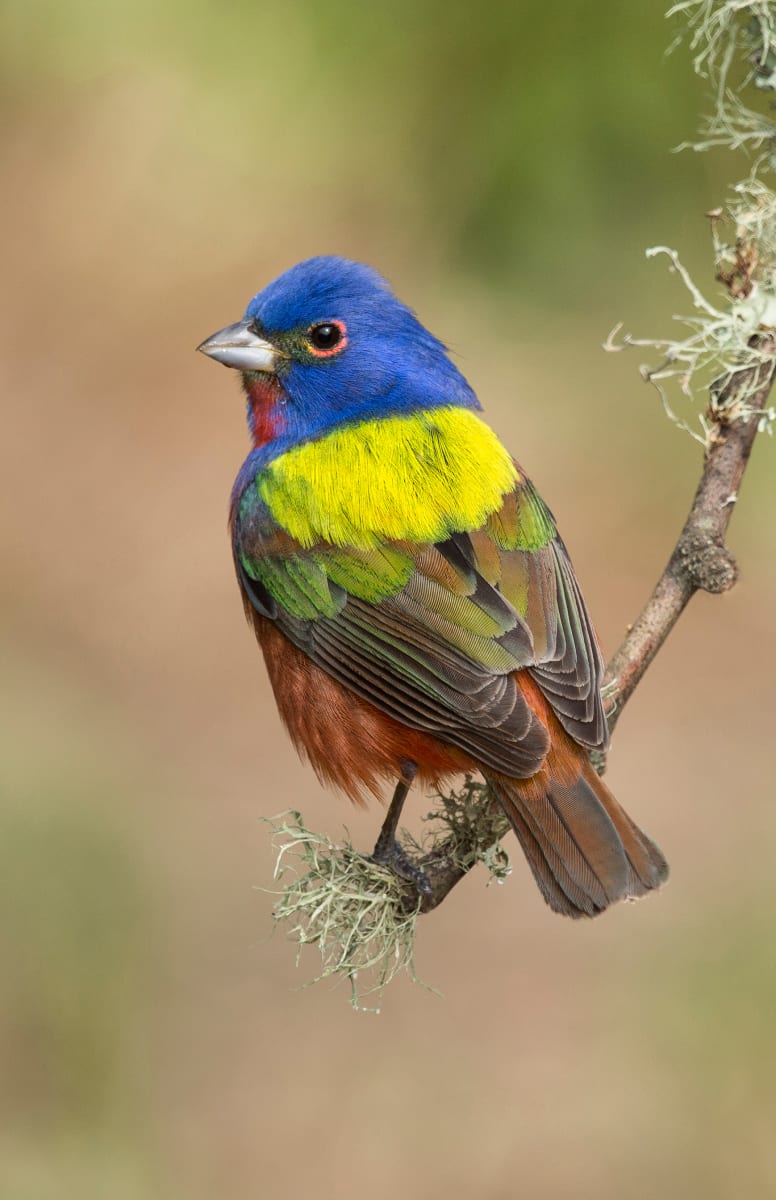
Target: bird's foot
(390,853)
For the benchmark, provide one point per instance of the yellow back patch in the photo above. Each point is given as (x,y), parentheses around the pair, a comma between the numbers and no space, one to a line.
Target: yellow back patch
(419,477)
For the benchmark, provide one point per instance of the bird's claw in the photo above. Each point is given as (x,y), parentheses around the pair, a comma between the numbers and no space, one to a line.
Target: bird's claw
(390,853)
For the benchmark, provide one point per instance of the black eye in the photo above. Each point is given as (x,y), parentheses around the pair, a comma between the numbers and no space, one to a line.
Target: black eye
(326,336)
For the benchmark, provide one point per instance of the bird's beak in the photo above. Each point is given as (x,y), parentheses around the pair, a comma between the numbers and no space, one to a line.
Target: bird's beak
(239,346)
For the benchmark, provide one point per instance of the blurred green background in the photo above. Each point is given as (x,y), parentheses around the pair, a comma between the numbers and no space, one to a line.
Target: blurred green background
(505,165)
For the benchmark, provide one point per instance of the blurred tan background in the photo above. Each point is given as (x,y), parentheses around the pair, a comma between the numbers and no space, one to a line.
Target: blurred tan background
(505,166)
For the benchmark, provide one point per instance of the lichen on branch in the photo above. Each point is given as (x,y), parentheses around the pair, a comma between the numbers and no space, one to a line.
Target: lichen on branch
(734,46)
(360,916)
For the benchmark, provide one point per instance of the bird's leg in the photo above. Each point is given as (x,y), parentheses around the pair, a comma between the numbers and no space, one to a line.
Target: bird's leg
(390,826)
(388,851)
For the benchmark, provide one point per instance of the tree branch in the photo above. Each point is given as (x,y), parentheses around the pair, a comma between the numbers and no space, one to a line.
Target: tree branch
(700,561)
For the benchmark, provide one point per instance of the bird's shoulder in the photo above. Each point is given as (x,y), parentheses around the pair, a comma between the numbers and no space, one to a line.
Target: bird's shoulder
(416,476)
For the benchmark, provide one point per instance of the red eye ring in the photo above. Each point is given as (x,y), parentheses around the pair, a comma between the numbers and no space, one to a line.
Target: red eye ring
(327,338)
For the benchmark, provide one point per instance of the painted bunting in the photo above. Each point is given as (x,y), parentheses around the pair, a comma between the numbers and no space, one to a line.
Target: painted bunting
(418,613)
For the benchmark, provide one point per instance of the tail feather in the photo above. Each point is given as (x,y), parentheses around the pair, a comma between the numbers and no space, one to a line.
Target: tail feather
(648,867)
(555,877)
(583,848)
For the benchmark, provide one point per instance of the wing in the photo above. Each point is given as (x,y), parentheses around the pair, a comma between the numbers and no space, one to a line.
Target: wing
(433,634)
(537,578)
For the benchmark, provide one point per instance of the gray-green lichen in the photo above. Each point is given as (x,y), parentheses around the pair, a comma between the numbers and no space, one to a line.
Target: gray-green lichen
(734,48)
(353,911)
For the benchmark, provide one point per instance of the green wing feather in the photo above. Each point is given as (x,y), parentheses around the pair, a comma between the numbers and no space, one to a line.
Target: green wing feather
(433,633)
(539,580)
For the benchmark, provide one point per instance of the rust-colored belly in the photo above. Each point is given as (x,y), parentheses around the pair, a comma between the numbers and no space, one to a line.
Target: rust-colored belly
(349,742)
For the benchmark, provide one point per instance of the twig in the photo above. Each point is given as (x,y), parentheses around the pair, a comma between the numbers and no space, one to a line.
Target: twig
(700,560)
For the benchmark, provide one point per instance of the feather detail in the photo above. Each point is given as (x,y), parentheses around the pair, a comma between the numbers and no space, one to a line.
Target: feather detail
(350,744)
(583,848)
(417,478)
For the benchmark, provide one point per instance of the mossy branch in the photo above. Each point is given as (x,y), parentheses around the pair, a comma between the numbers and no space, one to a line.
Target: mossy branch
(361,917)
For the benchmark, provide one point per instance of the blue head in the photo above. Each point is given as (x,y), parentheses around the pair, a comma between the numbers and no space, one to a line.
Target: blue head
(328,343)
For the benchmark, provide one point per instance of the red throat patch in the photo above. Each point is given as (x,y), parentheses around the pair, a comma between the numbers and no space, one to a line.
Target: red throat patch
(265,409)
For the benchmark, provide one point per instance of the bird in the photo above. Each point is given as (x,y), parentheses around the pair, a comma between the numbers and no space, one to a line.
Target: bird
(417,610)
